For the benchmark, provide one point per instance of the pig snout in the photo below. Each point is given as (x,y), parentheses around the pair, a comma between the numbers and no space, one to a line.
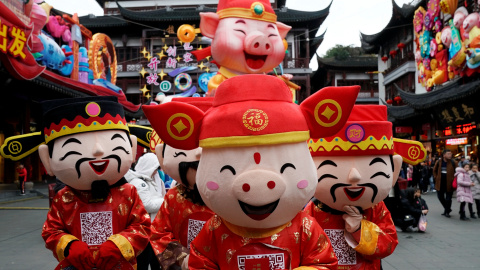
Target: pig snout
(259,187)
(258,43)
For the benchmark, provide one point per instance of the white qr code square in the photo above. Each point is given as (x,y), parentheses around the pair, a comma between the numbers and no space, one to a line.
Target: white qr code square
(346,255)
(96,227)
(276,260)
(194,228)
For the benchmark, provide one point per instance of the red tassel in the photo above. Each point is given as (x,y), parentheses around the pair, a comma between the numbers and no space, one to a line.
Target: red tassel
(203,53)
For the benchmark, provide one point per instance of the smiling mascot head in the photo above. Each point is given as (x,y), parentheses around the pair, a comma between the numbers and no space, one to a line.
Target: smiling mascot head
(255,170)
(360,164)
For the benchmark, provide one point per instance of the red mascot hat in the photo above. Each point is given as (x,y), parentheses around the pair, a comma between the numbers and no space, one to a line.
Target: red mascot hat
(251,110)
(248,9)
(367,132)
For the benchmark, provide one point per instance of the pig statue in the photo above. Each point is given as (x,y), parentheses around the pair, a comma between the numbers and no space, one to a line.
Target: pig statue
(458,18)
(246,38)
(255,172)
(183,212)
(471,26)
(356,168)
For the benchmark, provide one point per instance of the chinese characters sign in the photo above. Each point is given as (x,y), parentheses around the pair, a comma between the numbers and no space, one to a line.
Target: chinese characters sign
(458,113)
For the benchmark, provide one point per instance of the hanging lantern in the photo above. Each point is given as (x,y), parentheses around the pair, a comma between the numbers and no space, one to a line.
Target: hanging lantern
(401,46)
(384,58)
(389,101)
(393,53)
(397,99)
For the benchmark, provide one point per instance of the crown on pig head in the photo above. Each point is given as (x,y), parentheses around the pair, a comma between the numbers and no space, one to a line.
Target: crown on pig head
(257,10)
(251,110)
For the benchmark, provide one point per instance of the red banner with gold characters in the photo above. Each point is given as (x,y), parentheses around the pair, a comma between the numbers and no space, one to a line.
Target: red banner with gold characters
(412,152)
(14,40)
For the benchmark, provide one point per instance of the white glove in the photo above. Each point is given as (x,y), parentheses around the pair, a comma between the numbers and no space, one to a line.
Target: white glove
(185,263)
(353,218)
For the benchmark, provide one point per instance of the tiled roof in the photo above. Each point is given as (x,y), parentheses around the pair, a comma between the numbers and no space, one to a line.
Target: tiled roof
(356,61)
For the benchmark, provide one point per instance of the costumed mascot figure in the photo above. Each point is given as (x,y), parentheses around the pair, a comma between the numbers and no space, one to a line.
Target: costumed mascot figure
(183,212)
(246,39)
(356,169)
(256,172)
(98,220)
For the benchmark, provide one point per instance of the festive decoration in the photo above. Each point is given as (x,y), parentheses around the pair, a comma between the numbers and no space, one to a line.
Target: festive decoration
(393,53)
(384,58)
(401,46)
(389,101)
(397,99)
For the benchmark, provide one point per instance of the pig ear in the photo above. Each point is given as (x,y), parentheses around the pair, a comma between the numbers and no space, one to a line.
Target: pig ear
(208,23)
(283,29)
(327,110)
(178,124)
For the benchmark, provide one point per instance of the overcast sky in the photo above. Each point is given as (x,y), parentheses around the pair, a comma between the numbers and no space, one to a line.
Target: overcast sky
(346,20)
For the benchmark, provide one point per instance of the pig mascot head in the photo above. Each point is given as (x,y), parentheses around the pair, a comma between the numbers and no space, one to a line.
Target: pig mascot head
(255,169)
(246,37)
(360,164)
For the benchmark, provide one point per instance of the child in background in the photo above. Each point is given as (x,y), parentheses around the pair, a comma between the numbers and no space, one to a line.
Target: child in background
(413,204)
(475,178)
(464,191)
(22,177)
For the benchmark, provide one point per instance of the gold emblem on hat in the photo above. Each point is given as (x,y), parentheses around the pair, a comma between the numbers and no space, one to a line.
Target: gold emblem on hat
(258,9)
(178,123)
(15,147)
(331,107)
(413,152)
(255,120)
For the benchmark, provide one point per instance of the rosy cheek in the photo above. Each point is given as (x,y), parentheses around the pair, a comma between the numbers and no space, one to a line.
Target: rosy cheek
(302,184)
(212,185)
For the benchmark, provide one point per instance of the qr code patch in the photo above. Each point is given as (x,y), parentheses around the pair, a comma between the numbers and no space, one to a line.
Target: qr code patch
(346,255)
(275,260)
(194,227)
(96,227)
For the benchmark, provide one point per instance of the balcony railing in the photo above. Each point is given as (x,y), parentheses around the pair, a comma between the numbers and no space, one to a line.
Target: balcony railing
(295,63)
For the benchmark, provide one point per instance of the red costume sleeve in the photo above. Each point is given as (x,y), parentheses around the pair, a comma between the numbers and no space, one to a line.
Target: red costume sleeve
(316,248)
(199,257)
(387,235)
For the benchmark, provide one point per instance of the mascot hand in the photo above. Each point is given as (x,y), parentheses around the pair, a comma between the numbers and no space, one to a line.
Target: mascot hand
(185,263)
(353,218)
(109,256)
(79,255)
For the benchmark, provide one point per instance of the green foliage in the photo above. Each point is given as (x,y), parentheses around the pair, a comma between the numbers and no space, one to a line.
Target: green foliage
(341,52)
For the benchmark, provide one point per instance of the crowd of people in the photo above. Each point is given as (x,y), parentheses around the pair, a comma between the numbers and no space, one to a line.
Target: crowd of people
(442,175)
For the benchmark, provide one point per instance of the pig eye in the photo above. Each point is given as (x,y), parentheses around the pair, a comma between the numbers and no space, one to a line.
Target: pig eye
(272,35)
(286,165)
(238,30)
(228,167)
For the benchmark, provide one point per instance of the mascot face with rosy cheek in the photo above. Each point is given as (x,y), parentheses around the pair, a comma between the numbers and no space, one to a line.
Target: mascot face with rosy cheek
(361,181)
(179,164)
(257,187)
(80,159)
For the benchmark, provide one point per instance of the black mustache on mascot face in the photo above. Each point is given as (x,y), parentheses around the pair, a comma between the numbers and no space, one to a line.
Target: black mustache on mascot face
(183,170)
(370,185)
(80,161)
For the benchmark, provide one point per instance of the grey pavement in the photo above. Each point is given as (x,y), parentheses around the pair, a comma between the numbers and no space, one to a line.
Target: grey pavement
(449,243)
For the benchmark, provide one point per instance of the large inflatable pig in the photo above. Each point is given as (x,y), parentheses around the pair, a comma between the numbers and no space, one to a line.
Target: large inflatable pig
(356,169)
(246,38)
(256,172)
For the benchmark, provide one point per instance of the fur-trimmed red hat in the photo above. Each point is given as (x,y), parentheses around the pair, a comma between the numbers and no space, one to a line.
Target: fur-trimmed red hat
(367,132)
(251,110)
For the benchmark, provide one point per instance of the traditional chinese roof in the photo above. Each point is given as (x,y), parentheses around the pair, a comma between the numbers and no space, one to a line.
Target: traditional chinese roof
(400,16)
(365,62)
(103,21)
(441,95)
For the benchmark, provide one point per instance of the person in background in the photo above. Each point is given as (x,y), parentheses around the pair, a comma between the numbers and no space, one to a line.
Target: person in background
(410,175)
(475,177)
(443,173)
(464,191)
(414,205)
(151,190)
(462,162)
(424,180)
(22,177)
(430,171)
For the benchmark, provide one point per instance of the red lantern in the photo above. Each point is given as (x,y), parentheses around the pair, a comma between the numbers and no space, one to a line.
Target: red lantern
(397,99)
(393,53)
(401,46)
(384,58)
(389,101)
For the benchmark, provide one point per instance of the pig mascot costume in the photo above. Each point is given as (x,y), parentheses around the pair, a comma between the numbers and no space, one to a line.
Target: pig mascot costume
(183,212)
(256,172)
(356,169)
(97,220)
(246,38)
